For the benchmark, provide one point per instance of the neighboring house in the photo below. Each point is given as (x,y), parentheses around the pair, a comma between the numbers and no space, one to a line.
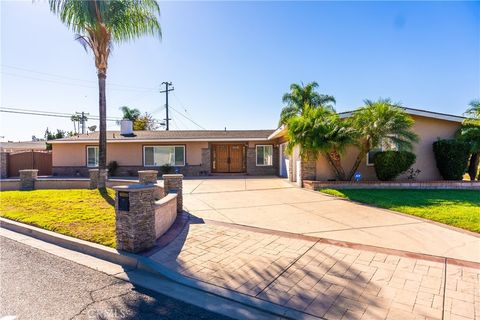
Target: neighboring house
(22,146)
(192,153)
(253,152)
(429,126)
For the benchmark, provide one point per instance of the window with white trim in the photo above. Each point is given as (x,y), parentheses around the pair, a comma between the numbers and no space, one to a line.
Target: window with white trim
(385,145)
(155,156)
(92,156)
(264,155)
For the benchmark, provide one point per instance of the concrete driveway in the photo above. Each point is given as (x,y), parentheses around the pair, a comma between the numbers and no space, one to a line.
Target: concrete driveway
(275,204)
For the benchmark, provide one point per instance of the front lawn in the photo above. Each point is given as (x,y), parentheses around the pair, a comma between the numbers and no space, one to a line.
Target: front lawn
(459,208)
(83,214)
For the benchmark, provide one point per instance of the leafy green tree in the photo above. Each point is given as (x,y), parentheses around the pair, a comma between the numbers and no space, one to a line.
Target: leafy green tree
(98,24)
(319,130)
(301,96)
(381,122)
(470,132)
(145,122)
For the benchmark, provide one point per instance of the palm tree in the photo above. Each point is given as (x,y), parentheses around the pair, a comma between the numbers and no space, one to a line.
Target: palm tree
(381,122)
(320,130)
(131,114)
(97,25)
(300,96)
(470,132)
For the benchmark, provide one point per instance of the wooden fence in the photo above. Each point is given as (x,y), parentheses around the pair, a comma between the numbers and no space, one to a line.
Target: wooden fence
(41,160)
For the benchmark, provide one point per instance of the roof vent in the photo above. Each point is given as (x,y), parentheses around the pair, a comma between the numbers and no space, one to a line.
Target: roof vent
(126,128)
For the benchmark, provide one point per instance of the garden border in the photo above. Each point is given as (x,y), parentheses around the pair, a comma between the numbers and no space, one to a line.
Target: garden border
(441,184)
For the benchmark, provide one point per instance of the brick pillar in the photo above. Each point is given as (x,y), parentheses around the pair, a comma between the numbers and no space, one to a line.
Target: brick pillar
(135,217)
(147,176)
(102,178)
(308,167)
(93,174)
(3,165)
(27,179)
(174,183)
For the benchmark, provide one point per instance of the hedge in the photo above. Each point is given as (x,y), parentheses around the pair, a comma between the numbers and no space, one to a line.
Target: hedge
(452,158)
(390,164)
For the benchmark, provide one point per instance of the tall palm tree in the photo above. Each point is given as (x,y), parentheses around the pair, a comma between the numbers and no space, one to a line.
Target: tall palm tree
(381,122)
(98,24)
(473,112)
(320,130)
(300,96)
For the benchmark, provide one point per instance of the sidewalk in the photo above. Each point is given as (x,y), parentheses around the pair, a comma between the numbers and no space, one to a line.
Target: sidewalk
(322,279)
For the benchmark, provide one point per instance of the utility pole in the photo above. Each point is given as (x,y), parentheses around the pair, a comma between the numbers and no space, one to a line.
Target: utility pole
(83,119)
(167,84)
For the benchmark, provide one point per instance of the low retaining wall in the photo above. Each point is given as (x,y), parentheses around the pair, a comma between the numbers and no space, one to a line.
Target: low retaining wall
(66,183)
(165,214)
(316,185)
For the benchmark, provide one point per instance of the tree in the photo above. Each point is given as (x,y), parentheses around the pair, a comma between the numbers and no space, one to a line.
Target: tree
(381,122)
(97,25)
(76,118)
(319,130)
(299,97)
(145,122)
(131,114)
(470,132)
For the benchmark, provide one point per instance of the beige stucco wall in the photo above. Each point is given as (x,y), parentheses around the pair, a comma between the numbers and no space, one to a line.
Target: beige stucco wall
(428,130)
(126,154)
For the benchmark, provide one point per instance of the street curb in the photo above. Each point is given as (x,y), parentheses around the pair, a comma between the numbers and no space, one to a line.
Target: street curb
(147,265)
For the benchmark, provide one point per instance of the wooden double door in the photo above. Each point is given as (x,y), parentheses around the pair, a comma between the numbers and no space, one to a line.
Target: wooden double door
(228,158)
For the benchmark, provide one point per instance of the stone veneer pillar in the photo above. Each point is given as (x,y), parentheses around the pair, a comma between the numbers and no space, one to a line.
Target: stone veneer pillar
(93,174)
(27,179)
(147,176)
(174,183)
(135,217)
(308,167)
(3,165)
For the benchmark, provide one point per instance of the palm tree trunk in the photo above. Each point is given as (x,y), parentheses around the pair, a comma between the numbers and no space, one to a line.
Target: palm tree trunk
(473,166)
(102,143)
(335,161)
(361,155)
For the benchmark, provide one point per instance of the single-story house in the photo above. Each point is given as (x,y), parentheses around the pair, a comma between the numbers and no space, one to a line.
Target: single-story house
(252,152)
(191,152)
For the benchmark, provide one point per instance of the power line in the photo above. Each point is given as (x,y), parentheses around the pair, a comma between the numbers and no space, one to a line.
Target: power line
(74,79)
(47,113)
(187,118)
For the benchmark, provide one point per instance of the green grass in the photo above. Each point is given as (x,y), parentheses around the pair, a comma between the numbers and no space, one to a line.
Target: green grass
(83,214)
(459,208)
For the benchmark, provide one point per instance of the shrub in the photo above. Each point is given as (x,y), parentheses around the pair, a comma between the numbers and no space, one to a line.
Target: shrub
(452,158)
(390,164)
(166,168)
(112,167)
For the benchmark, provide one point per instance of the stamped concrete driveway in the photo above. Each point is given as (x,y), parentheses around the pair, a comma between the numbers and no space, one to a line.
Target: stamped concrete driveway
(275,204)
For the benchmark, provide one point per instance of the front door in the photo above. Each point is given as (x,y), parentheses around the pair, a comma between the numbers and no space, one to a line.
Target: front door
(228,158)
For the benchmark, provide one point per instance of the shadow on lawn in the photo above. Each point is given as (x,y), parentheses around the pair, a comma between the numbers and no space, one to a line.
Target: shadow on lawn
(104,193)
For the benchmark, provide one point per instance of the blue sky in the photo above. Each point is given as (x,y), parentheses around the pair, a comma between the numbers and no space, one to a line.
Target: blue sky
(231,62)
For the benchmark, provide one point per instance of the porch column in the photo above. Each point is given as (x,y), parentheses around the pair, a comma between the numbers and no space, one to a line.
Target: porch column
(173,183)
(308,164)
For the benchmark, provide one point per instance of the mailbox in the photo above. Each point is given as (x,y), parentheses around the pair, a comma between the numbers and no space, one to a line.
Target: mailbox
(123,201)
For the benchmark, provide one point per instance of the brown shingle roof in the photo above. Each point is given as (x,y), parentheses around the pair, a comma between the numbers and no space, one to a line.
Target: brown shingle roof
(175,135)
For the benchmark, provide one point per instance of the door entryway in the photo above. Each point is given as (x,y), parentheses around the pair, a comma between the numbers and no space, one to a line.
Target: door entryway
(228,158)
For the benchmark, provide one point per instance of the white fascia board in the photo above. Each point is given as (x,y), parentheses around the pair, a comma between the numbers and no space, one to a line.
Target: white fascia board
(421,113)
(278,133)
(161,140)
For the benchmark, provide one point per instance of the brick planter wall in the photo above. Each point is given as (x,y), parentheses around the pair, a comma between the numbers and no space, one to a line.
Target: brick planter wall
(3,165)
(316,185)
(174,183)
(28,178)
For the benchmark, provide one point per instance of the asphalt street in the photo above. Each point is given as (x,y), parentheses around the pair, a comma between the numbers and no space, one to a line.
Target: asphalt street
(37,285)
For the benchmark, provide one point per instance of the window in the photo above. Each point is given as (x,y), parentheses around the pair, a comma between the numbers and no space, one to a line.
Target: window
(92,156)
(264,155)
(155,156)
(385,145)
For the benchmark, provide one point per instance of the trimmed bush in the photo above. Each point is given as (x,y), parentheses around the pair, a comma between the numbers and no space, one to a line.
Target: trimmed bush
(390,164)
(452,158)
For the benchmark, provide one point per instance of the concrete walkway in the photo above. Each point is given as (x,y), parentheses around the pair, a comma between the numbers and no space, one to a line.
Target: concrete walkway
(321,279)
(275,204)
